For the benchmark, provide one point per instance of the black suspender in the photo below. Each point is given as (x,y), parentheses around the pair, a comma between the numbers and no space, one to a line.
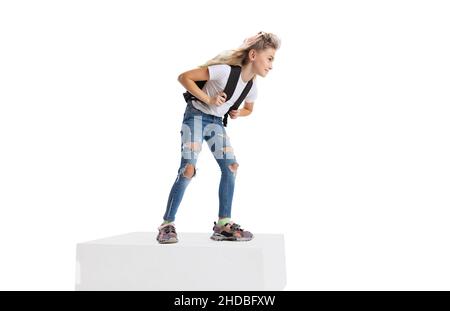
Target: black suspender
(230,87)
(238,102)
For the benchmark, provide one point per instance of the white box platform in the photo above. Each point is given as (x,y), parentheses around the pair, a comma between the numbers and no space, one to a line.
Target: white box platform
(136,261)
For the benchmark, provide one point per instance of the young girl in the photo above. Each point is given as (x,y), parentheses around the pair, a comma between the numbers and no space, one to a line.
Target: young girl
(203,121)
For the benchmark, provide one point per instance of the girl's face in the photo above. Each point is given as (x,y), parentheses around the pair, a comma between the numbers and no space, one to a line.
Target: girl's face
(262,61)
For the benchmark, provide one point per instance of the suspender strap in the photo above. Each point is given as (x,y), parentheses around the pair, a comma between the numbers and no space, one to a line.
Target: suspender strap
(230,87)
(232,82)
(238,101)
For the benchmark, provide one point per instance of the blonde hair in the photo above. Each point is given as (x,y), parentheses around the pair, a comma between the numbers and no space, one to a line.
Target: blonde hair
(239,57)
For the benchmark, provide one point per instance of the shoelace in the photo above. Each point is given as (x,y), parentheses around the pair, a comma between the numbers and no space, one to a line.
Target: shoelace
(236,227)
(169,229)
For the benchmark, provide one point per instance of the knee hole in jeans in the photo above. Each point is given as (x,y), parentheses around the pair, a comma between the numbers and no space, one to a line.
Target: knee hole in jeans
(233,167)
(189,171)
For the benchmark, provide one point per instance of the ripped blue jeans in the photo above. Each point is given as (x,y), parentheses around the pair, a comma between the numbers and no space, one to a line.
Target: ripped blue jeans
(196,127)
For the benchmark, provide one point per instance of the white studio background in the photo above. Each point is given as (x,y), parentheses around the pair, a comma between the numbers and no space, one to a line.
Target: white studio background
(346,152)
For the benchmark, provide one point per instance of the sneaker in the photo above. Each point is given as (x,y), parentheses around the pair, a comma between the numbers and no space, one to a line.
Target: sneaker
(167,234)
(230,232)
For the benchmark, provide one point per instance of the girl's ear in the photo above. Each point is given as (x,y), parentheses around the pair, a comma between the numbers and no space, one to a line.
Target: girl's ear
(252,54)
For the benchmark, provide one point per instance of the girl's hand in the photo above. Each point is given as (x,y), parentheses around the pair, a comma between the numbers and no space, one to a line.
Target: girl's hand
(218,100)
(234,114)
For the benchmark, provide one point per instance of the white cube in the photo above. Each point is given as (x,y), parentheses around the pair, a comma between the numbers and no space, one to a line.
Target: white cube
(136,261)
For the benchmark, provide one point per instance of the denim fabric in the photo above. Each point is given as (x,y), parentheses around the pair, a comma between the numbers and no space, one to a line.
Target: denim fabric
(198,126)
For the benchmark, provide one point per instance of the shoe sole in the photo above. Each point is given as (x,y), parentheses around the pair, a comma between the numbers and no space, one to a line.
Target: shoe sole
(220,237)
(169,241)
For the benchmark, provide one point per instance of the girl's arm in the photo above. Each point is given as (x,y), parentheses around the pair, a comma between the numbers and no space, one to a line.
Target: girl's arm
(188,78)
(248,108)
(245,111)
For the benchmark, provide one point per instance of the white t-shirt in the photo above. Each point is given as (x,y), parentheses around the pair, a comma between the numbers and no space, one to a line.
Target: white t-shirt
(218,77)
